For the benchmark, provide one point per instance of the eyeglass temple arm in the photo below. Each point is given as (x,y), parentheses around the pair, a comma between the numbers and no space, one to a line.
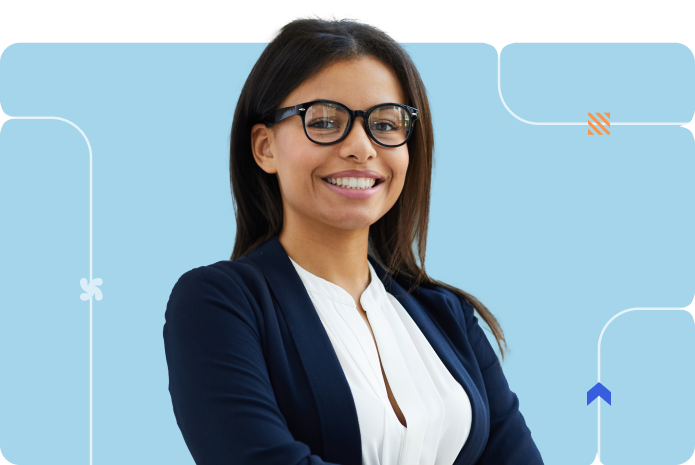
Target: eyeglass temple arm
(282,113)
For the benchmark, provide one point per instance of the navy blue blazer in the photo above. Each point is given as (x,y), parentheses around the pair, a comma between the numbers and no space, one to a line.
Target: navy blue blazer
(254,379)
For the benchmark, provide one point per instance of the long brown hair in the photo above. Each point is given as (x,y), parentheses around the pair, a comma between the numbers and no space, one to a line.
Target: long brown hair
(303,48)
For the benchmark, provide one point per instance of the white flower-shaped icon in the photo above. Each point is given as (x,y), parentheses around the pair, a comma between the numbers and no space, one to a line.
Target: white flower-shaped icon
(91,289)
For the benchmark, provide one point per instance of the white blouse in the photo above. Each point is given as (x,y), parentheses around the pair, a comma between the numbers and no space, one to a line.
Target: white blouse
(436,407)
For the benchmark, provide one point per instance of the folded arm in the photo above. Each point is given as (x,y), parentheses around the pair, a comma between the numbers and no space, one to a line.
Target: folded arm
(220,389)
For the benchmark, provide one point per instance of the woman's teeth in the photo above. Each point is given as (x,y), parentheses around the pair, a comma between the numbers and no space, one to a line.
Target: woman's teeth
(353,183)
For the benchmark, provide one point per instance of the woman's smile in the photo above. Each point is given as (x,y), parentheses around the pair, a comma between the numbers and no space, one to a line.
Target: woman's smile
(355,188)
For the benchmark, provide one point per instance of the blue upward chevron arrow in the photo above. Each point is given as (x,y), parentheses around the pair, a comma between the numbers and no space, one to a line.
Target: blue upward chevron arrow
(599,390)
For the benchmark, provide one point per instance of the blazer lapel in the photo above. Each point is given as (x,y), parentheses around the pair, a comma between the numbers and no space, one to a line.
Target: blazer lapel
(335,404)
(417,309)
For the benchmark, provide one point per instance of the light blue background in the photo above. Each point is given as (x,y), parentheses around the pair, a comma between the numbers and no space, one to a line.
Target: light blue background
(553,230)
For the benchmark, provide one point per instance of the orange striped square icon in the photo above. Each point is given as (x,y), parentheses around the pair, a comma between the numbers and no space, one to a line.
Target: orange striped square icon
(598,123)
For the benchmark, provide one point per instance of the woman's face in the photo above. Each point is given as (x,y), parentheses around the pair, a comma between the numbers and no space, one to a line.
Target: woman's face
(301,165)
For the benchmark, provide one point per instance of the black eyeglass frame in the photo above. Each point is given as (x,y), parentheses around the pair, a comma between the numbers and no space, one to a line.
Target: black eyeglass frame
(300,109)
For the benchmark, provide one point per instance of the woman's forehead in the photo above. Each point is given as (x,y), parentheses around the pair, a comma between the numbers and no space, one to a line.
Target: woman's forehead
(359,84)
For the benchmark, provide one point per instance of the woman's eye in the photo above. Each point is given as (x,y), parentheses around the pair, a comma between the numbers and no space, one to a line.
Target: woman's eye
(384,126)
(323,123)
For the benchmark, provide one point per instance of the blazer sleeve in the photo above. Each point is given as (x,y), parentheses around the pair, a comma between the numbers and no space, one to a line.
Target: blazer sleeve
(510,441)
(220,389)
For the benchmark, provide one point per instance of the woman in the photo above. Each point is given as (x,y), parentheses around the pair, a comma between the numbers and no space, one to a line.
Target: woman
(322,341)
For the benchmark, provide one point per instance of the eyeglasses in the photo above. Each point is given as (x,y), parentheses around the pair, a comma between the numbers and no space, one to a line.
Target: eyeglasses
(327,122)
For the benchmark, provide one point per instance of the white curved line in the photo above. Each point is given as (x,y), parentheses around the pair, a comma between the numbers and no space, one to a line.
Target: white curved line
(690,309)
(585,123)
(4,118)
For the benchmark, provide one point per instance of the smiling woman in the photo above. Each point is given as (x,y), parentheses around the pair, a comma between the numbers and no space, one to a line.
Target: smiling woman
(322,341)
(288,149)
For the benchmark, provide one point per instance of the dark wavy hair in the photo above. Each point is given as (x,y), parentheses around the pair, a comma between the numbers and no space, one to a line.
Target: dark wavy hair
(302,49)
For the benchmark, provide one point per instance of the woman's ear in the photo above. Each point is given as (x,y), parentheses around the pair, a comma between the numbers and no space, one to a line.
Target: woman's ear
(261,147)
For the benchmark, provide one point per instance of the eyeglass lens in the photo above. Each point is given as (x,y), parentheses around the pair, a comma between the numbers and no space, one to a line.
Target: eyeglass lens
(326,122)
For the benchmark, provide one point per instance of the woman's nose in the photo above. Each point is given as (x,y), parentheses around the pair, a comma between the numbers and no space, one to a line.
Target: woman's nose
(358,132)
(358,141)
